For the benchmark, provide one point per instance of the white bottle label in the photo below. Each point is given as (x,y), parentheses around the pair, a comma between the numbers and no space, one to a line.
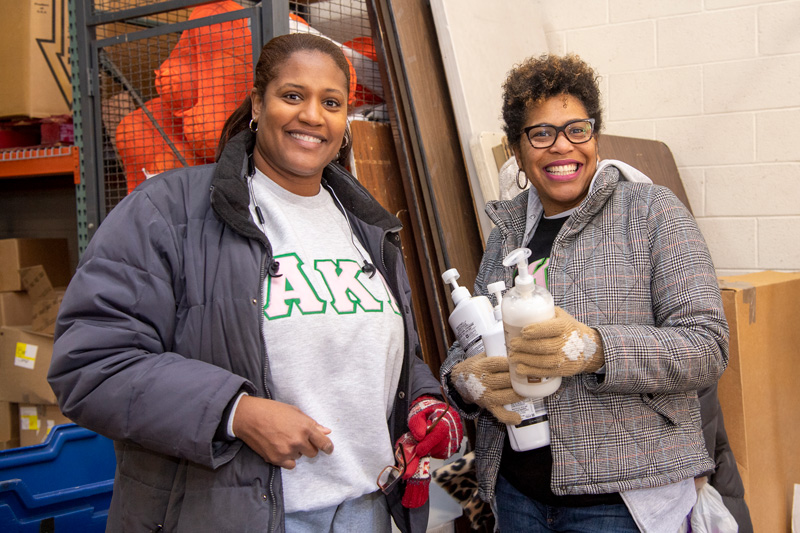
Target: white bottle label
(532,411)
(468,337)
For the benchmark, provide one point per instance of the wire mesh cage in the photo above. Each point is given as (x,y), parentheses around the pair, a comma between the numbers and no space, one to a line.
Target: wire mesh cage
(166,88)
(167,80)
(347,23)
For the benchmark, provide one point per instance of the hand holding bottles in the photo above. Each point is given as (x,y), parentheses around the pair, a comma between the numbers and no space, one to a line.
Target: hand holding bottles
(485,381)
(561,346)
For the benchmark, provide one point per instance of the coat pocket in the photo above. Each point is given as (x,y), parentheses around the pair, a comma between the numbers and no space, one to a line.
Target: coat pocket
(662,404)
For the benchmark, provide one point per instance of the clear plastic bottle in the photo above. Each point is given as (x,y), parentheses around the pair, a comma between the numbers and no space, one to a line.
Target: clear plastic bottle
(534,429)
(526,303)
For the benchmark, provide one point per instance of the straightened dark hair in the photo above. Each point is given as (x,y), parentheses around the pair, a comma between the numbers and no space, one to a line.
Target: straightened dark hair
(273,56)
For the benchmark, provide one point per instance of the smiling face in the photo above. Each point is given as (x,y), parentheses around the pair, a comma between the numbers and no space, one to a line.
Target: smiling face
(301,119)
(562,173)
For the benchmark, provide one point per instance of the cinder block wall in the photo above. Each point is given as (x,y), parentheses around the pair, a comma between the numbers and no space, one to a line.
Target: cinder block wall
(719,82)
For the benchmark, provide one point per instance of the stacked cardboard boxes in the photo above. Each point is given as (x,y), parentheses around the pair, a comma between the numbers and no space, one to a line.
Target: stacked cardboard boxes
(36,421)
(759,393)
(28,308)
(34,36)
(9,425)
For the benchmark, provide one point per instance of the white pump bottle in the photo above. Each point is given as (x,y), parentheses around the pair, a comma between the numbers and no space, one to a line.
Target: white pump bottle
(471,316)
(534,429)
(526,303)
(478,328)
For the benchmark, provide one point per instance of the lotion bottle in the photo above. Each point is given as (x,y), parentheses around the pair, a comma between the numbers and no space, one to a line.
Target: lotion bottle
(471,316)
(526,303)
(534,429)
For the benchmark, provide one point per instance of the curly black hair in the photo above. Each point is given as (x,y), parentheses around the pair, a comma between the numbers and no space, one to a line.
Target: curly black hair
(538,78)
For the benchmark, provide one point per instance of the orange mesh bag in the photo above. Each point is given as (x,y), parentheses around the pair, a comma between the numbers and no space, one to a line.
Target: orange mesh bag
(175,77)
(142,148)
(205,78)
(362,93)
(224,75)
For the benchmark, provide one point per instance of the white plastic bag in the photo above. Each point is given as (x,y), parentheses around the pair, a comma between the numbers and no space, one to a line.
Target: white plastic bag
(710,515)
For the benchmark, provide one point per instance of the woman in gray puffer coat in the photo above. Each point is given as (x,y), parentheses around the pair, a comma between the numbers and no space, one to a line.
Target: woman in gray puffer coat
(229,322)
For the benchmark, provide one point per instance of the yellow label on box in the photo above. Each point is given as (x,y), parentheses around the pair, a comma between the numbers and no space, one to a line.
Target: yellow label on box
(25,355)
(28,419)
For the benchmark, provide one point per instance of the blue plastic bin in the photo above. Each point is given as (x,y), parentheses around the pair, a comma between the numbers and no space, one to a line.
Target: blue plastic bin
(61,485)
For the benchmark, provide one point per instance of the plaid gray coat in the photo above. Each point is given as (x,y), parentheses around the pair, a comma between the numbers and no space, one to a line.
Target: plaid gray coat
(632,263)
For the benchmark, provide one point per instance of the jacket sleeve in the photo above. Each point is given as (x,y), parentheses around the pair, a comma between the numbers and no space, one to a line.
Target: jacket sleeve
(455,355)
(686,347)
(112,368)
(422,381)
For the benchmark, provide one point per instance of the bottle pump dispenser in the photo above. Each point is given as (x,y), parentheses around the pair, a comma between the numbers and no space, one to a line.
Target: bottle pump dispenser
(534,429)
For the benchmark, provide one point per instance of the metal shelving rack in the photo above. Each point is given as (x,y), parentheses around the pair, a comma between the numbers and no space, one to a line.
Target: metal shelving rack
(94,26)
(41,161)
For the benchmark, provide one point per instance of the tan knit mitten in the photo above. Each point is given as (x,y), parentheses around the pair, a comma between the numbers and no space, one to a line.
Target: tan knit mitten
(486,381)
(561,346)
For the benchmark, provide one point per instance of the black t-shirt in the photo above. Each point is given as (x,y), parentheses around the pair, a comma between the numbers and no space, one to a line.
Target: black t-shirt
(529,472)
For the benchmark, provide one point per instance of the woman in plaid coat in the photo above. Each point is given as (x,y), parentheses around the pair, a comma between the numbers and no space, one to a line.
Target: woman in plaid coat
(639,326)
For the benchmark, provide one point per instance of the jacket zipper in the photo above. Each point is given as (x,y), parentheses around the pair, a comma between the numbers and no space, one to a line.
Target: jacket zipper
(262,278)
(404,314)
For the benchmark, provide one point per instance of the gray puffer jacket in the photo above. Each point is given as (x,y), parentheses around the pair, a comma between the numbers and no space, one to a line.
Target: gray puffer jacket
(160,328)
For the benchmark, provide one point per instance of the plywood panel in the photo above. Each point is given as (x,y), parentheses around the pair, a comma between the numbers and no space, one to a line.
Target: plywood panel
(431,161)
(376,166)
(654,158)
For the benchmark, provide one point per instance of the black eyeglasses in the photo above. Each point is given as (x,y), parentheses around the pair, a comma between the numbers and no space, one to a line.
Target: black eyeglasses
(391,474)
(545,135)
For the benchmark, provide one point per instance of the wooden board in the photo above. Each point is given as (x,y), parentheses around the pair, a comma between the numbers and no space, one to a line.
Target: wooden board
(654,158)
(377,169)
(432,165)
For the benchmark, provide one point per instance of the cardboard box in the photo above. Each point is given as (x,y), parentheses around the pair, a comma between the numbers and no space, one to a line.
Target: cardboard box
(24,360)
(45,300)
(52,254)
(15,308)
(759,390)
(34,37)
(9,425)
(36,421)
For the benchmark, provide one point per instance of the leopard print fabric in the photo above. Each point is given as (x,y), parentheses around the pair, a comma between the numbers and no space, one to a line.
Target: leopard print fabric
(458,479)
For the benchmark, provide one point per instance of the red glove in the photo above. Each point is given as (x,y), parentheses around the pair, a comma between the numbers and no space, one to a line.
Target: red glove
(417,474)
(445,438)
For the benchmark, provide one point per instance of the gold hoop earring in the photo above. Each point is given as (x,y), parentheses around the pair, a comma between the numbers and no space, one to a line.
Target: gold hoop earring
(253,122)
(346,140)
(524,183)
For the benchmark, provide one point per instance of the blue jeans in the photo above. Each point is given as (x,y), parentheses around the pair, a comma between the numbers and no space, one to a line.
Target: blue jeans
(515,512)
